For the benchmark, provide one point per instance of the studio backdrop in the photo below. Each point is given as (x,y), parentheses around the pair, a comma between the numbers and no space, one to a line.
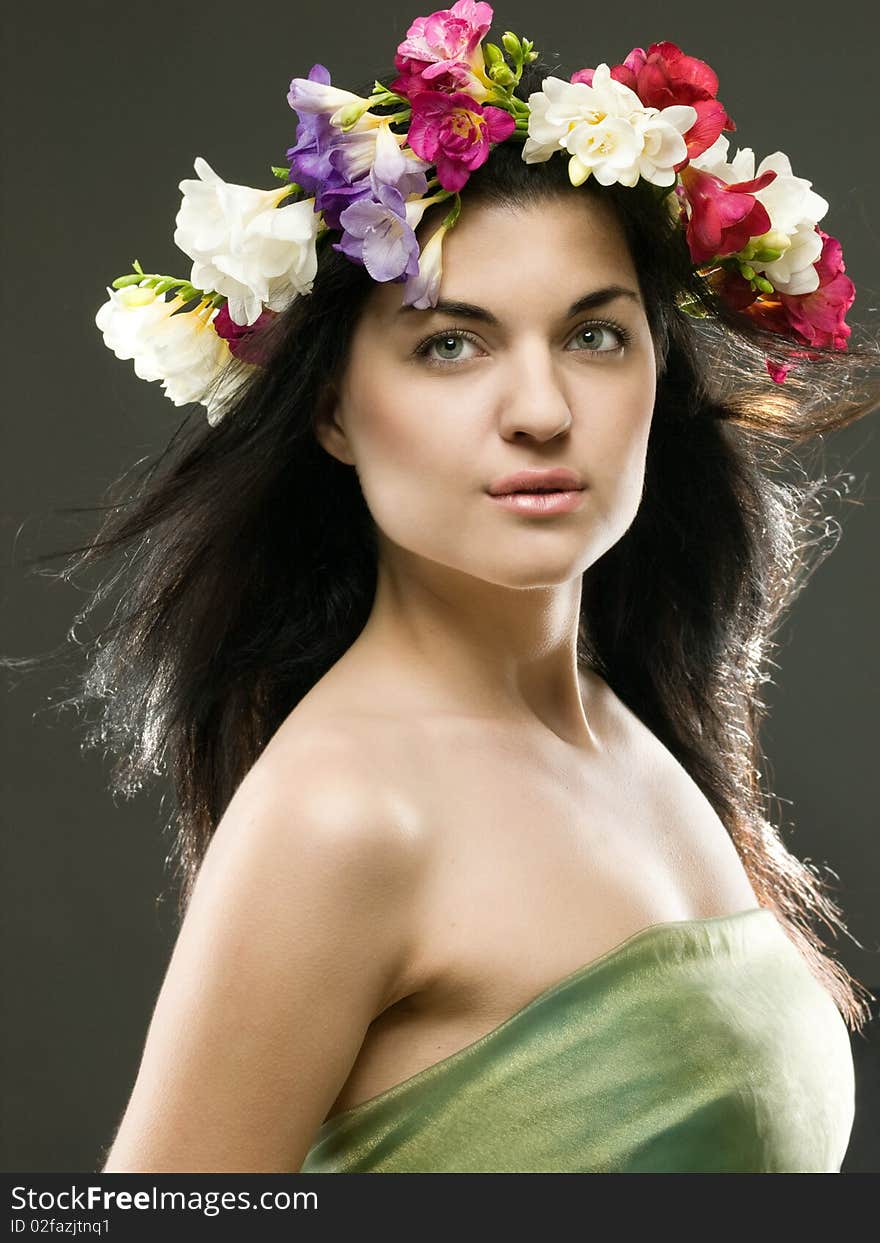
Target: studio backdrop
(106,107)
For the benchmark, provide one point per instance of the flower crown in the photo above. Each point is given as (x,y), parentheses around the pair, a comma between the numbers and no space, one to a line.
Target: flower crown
(364,170)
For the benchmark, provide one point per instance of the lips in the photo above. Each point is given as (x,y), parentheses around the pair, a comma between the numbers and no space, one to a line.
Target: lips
(557,479)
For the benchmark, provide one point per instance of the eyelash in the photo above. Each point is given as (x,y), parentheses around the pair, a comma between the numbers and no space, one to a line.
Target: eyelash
(421,350)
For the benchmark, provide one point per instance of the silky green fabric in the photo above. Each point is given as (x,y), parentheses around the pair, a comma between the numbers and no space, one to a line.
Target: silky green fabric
(698,1046)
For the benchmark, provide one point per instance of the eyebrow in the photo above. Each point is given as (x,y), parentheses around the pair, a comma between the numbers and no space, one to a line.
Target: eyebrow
(597,297)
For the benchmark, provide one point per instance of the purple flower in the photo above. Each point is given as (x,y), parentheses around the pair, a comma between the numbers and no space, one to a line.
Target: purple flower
(376,230)
(340,167)
(376,234)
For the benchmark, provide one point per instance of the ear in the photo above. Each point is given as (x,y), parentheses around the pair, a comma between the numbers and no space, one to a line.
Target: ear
(329,431)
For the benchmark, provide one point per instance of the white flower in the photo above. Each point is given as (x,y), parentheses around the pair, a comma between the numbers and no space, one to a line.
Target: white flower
(188,354)
(421,291)
(664,144)
(128,318)
(608,131)
(416,207)
(180,348)
(793,206)
(244,245)
(794,271)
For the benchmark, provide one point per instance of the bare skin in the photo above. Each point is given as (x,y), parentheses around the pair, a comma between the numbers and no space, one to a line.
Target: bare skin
(540,857)
(555,825)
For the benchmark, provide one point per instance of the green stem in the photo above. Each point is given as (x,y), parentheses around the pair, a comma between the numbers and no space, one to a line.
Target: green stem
(454,212)
(162,284)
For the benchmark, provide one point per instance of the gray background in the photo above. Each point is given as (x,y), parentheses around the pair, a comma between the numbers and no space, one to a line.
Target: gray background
(105,107)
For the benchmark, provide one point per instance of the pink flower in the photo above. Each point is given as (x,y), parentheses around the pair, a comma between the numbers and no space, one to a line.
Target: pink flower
(723,216)
(441,52)
(665,76)
(454,133)
(818,317)
(814,319)
(778,371)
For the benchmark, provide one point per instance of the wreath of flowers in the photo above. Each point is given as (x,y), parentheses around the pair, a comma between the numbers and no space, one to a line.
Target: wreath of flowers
(363,171)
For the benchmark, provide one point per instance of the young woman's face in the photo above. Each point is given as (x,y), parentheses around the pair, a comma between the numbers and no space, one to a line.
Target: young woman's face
(436,405)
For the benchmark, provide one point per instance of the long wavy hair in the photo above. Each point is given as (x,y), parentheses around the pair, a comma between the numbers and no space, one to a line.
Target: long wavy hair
(238,584)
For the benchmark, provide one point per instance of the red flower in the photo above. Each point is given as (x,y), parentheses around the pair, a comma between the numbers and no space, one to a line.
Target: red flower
(815,319)
(778,371)
(723,217)
(454,132)
(818,317)
(665,76)
(243,340)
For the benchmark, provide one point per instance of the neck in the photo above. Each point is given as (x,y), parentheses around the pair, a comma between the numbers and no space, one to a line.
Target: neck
(461,645)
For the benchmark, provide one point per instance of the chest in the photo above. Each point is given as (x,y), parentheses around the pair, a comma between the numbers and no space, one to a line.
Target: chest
(539,861)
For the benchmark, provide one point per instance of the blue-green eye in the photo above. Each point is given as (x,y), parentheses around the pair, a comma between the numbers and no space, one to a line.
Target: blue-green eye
(445,348)
(590,337)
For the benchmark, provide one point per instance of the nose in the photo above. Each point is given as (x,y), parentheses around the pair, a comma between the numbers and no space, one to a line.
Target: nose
(533,401)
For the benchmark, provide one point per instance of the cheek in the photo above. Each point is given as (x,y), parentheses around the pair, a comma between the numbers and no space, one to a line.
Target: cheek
(615,451)
(404,450)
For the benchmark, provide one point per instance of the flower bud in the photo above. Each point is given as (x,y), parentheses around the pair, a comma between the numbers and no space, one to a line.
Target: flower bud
(348,115)
(767,256)
(492,54)
(773,240)
(502,74)
(136,295)
(761,283)
(512,44)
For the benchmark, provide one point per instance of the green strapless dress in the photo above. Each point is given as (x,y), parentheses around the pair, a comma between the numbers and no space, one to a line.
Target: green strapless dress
(702,1046)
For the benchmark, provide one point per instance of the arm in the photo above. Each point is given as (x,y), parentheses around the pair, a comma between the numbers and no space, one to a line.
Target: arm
(295,938)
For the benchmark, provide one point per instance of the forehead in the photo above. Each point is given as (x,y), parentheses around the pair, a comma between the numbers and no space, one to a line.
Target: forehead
(553,248)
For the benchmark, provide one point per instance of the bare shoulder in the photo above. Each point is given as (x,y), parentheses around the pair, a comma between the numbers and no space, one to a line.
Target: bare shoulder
(296,937)
(347,773)
(322,799)
(340,770)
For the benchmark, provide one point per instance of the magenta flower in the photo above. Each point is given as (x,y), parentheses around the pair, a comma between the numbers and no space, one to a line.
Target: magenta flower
(442,52)
(723,217)
(813,319)
(454,132)
(777,371)
(818,317)
(244,340)
(664,76)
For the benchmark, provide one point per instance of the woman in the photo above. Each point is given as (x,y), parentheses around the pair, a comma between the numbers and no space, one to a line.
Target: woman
(476,869)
